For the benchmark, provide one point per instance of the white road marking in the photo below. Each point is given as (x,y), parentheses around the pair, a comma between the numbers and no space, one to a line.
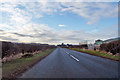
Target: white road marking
(67,52)
(74,58)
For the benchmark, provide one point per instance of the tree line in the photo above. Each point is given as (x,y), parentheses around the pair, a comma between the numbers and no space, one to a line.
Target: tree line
(9,48)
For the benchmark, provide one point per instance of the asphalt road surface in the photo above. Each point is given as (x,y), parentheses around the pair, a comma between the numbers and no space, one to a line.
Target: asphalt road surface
(65,63)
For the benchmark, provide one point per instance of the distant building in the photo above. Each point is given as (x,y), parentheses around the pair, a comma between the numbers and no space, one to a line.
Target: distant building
(111,40)
(83,42)
(90,46)
(98,42)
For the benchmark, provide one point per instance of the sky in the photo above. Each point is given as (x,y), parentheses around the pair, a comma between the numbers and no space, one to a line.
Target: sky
(58,22)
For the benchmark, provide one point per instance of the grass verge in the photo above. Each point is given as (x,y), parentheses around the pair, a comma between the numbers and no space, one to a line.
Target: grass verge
(13,68)
(97,53)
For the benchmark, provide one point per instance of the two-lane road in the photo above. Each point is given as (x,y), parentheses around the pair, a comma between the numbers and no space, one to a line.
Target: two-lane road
(64,63)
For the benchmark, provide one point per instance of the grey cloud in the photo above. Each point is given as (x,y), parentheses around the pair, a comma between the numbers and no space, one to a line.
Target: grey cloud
(22,35)
(8,38)
(36,35)
(1,30)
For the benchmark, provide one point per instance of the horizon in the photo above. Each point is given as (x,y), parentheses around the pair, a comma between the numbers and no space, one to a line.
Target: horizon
(58,43)
(58,22)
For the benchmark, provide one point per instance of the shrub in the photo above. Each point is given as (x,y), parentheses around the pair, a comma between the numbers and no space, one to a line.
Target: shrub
(113,47)
(9,48)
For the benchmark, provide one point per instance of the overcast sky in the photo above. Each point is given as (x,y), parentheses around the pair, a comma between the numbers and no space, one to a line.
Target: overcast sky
(57,22)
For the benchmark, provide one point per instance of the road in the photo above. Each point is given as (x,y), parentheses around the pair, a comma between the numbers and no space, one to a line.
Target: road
(65,63)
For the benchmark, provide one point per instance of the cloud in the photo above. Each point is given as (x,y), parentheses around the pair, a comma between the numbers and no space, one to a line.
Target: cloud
(61,25)
(92,12)
(20,27)
(22,35)
(110,31)
(3,38)
(61,1)
(44,34)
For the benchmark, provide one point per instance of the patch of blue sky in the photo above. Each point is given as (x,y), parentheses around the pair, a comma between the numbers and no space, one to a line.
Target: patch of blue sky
(70,20)
(108,22)
(73,21)
(5,17)
(20,6)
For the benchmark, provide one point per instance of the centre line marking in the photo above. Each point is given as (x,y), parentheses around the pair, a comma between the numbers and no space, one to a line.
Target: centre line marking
(67,52)
(74,58)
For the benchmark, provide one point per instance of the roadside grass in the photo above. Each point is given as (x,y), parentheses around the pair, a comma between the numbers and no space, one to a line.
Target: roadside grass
(97,53)
(12,68)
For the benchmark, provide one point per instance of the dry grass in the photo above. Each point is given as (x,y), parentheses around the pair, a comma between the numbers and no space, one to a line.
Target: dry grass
(98,53)
(17,66)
